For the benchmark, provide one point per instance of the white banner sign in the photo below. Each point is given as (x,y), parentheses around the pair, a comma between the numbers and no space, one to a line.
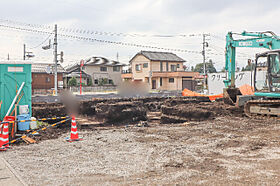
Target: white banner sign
(216,80)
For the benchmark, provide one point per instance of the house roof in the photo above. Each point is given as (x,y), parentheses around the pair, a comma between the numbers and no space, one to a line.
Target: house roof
(77,74)
(44,67)
(95,61)
(160,56)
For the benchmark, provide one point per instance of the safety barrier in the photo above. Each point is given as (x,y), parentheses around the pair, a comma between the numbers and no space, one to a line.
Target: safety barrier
(34,132)
(42,119)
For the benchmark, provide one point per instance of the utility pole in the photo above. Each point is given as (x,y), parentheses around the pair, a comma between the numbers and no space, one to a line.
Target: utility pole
(55,59)
(204,45)
(24,51)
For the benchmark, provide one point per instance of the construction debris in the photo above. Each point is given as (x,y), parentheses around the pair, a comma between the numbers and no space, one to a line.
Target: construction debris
(28,140)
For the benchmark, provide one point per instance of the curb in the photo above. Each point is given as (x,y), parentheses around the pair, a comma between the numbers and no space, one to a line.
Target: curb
(14,172)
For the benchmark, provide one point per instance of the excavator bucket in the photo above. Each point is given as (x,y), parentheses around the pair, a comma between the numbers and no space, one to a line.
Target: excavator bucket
(230,95)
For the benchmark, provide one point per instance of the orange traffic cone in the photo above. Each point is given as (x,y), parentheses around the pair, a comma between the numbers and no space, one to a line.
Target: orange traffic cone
(4,137)
(74,133)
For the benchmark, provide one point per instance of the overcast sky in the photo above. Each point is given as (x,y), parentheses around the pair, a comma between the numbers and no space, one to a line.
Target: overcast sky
(142,17)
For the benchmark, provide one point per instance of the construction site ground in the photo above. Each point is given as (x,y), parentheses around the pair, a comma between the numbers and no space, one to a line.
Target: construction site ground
(227,148)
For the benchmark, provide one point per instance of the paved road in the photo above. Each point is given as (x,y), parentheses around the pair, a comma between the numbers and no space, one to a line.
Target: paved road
(53,99)
(8,176)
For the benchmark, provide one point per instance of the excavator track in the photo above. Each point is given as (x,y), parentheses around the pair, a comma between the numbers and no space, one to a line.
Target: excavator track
(262,109)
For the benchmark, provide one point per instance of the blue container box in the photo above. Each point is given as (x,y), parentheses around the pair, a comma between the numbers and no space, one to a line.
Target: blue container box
(22,126)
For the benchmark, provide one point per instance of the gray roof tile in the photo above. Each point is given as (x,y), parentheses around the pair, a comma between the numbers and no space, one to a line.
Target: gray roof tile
(96,61)
(160,56)
(42,67)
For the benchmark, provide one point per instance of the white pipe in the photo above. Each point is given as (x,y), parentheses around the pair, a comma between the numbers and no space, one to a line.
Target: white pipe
(14,101)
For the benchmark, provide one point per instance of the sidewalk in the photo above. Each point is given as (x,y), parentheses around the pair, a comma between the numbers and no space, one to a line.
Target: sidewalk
(8,176)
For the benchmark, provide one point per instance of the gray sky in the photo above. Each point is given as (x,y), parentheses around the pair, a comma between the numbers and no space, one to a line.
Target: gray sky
(142,17)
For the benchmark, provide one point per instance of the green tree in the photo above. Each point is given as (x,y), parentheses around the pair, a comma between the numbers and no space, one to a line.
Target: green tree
(249,67)
(192,69)
(102,81)
(89,82)
(209,67)
(72,82)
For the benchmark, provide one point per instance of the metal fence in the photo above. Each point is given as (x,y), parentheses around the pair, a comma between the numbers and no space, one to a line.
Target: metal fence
(94,89)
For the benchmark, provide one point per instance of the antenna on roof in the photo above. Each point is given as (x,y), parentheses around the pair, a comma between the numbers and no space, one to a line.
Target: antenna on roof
(117,56)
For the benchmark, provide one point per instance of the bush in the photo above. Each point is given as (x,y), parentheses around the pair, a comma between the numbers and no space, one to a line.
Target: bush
(102,81)
(72,82)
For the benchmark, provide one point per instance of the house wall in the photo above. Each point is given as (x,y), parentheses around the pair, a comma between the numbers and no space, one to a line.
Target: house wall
(166,85)
(39,80)
(95,73)
(154,66)
(144,72)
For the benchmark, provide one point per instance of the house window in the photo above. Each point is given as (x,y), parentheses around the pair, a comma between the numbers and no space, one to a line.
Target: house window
(116,69)
(96,81)
(111,82)
(178,65)
(145,65)
(103,69)
(48,79)
(167,66)
(138,67)
(160,81)
(171,80)
(161,67)
(173,68)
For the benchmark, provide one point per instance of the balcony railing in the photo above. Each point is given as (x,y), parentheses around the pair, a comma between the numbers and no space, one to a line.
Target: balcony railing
(126,72)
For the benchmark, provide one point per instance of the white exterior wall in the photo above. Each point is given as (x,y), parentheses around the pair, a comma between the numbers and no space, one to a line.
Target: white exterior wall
(95,73)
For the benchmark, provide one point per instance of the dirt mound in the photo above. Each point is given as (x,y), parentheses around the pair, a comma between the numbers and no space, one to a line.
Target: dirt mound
(187,110)
(183,113)
(120,112)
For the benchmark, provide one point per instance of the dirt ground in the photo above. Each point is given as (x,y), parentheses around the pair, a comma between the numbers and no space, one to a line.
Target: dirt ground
(226,149)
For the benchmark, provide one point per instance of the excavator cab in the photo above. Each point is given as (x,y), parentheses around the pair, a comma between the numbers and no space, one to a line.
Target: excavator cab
(267,77)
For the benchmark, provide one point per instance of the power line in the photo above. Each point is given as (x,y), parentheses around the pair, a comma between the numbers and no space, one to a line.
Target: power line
(99,40)
(41,42)
(95,32)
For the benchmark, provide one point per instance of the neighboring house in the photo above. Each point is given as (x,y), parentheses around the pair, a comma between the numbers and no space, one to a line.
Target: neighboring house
(76,74)
(97,68)
(43,77)
(162,70)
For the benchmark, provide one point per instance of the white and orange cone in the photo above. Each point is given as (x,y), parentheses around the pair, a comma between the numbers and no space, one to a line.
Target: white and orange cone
(74,132)
(4,137)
